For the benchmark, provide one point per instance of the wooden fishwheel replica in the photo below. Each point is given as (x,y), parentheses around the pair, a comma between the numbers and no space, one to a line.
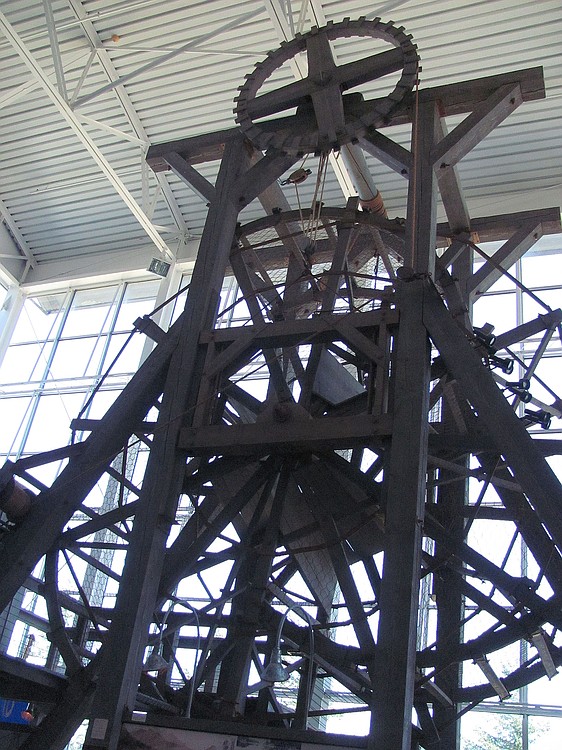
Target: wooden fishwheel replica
(331,441)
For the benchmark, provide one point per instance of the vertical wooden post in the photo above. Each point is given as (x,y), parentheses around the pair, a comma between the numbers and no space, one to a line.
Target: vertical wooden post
(419,251)
(405,475)
(123,653)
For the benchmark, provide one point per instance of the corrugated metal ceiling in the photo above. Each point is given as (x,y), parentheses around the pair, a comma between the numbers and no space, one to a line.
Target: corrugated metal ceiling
(61,206)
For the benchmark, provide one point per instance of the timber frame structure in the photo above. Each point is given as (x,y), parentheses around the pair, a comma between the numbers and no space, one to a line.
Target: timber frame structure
(382,401)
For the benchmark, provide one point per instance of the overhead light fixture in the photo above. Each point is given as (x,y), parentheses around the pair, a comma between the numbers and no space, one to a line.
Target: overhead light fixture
(159,267)
(504,364)
(540,643)
(520,388)
(485,337)
(155,661)
(492,678)
(275,671)
(541,417)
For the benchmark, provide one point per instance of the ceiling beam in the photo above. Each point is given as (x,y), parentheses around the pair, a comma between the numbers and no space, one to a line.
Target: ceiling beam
(110,71)
(76,126)
(192,44)
(21,250)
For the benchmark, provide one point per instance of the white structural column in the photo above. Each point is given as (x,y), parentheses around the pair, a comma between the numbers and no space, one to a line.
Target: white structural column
(8,247)
(9,314)
(74,123)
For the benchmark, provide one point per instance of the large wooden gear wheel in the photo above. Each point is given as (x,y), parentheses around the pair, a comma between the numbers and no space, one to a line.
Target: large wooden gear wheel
(332,123)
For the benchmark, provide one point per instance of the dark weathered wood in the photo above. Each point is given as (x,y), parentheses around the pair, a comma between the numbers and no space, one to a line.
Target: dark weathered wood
(504,258)
(260,176)
(123,650)
(387,151)
(509,434)
(349,75)
(454,251)
(34,536)
(503,226)
(531,328)
(405,476)
(458,98)
(474,128)
(263,437)
(183,169)
(419,250)
(532,531)
(261,539)
(451,499)
(195,150)
(326,99)
(151,329)
(290,332)
(218,512)
(450,189)
(454,99)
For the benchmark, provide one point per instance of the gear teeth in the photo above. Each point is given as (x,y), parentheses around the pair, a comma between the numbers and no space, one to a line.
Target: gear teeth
(309,141)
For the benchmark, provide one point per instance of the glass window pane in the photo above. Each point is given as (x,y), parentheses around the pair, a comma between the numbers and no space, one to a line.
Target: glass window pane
(128,361)
(544,733)
(13,411)
(39,318)
(91,311)
(531,308)
(138,301)
(51,424)
(25,363)
(541,270)
(71,358)
(497,309)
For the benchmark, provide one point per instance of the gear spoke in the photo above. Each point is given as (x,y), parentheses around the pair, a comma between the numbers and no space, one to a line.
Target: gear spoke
(279,100)
(321,64)
(369,68)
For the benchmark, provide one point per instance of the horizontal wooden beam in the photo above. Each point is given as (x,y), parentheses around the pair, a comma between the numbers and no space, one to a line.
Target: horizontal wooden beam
(321,328)
(503,226)
(454,99)
(305,434)
(464,97)
(27,682)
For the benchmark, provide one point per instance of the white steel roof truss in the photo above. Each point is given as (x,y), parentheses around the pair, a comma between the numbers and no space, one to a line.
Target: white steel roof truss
(109,70)
(191,45)
(55,51)
(20,239)
(77,127)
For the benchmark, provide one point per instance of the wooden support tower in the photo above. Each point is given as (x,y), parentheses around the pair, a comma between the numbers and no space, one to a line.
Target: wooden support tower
(338,489)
